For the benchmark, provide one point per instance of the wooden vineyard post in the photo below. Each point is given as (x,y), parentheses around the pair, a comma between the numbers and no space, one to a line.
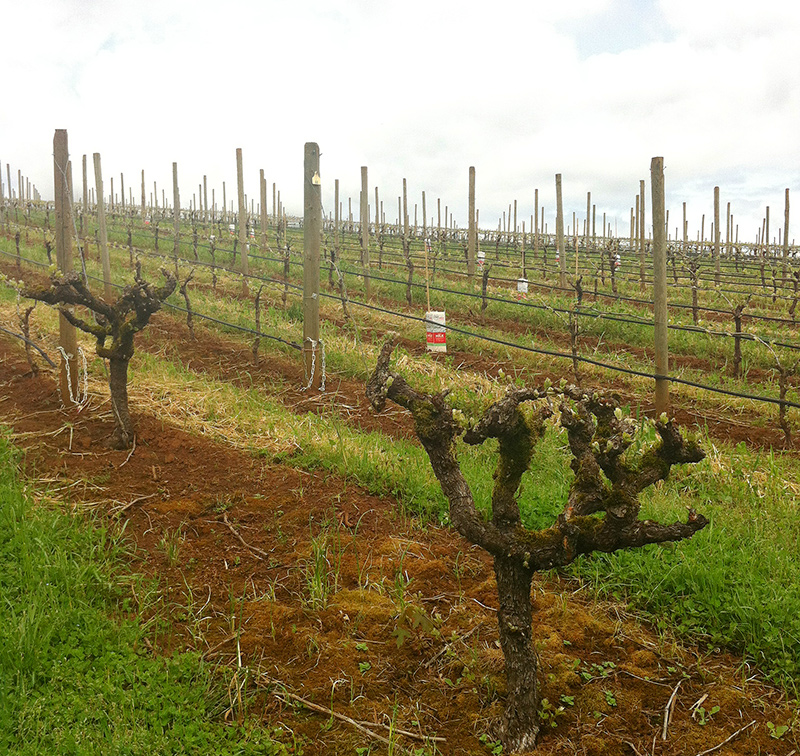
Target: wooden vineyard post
(535,224)
(102,230)
(84,231)
(67,334)
(263,192)
(378,208)
(587,231)
(716,237)
(242,221)
(562,258)
(3,210)
(660,285)
(642,235)
(685,231)
(312,230)
(365,229)
(336,221)
(765,240)
(472,232)
(786,237)
(176,214)
(144,200)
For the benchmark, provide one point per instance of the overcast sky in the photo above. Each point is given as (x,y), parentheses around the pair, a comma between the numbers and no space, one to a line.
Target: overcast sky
(521,89)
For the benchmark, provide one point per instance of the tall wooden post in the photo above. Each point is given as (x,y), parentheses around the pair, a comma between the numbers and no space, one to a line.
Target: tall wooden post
(472,238)
(67,334)
(586,229)
(642,236)
(365,229)
(263,191)
(404,220)
(337,213)
(660,285)
(176,215)
(84,231)
(685,230)
(242,221)
(562,258)
(717,272)
(102,231)
(312,231)
(786,236)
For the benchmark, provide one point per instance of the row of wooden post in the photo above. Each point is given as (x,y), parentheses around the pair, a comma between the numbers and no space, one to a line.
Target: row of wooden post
(312,241)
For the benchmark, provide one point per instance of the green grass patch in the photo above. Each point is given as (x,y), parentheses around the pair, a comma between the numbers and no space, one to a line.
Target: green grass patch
(74,674)
(734,585)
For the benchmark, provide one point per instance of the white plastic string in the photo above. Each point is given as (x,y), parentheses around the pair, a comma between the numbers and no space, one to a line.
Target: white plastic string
(314,362)
(83,396)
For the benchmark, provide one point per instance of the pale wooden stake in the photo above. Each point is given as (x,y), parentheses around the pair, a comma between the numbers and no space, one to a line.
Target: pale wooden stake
(242,222)
(263,191)
(144,199)
(786,235)
(176,215)
(716,237)
(108,291)
(312,230)
(336,219)
(472,237)
(562,258)
(642,234)
(660,285)
(365,229)
(85,207)
(67,333)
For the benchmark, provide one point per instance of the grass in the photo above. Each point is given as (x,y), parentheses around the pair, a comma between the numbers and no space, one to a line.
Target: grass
(735,584)
(75,676)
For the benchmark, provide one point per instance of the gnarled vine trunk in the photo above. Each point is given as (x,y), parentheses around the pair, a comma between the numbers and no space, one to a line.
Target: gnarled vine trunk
(605,482)
(122,438)
(514,618)
(118,322)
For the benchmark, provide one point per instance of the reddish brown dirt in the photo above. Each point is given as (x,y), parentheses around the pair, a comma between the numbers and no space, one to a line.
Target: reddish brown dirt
(230,539)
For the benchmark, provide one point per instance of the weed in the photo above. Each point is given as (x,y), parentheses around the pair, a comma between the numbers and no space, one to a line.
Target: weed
(170,544)
(495,747)
(703,716)
(549,714)
(777,731)
(322,574)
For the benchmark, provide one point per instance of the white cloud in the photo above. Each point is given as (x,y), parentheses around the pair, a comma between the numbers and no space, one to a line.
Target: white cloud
(421,90)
